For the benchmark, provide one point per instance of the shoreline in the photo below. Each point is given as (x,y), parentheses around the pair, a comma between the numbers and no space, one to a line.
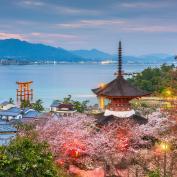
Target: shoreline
(83,63)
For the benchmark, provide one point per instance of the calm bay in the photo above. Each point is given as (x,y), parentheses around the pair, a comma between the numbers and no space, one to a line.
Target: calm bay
(55,81)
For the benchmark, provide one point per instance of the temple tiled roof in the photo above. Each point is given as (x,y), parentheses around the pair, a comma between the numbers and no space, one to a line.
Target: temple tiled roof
(119,87)
(4,103)
(102,120)
(65,106)
(31,114)
(6,127)
(15,110)
(8,113)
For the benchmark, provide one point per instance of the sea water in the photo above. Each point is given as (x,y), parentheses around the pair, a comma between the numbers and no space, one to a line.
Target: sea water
(59,80)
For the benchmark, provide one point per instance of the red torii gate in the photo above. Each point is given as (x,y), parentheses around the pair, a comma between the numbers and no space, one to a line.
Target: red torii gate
(24,92)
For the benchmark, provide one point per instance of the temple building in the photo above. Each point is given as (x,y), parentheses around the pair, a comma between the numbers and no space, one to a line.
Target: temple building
(119,92)
(62,109)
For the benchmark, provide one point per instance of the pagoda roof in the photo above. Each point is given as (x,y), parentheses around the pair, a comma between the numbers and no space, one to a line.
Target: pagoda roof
(119,87)
(102,120)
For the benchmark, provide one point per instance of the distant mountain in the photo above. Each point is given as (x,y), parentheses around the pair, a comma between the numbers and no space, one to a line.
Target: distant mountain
(93,54)
(148,59)
(156,55)
(128,59)
(158,58)
(17,49)
(14,50)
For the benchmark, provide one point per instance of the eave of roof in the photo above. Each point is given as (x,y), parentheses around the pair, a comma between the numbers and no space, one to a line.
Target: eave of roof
(120,88)
(8,113)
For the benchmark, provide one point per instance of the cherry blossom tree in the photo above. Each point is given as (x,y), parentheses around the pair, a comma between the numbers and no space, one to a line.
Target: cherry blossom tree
(78,141)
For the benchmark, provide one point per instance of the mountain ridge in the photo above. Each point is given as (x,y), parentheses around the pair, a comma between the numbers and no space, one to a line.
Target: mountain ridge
(23,50)
(17,49)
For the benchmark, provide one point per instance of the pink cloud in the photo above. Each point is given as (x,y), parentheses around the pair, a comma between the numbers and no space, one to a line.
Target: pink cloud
(91,23)
(54,39)
(36,34)
(54,36)
(153,29)
(11,35)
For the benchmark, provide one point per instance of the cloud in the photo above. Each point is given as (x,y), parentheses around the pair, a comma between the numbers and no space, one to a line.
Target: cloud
(56,8)
(36,34)
(135,5)
(91,23)
(154,29)
(74,11)
(11,35)
(120,26)
(54,35)
(54,39)
(31,3)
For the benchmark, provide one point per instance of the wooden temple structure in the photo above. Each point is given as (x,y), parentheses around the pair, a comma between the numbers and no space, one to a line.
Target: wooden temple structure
(119,92)
(24,92)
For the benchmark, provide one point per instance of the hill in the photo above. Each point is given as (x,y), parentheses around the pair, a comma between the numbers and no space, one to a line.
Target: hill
(16,49)
(93,54)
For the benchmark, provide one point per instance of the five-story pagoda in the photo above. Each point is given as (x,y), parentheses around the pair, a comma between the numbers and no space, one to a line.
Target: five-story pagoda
(119,92)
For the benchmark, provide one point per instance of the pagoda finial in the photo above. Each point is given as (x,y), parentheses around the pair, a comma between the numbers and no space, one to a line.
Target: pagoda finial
(119,60)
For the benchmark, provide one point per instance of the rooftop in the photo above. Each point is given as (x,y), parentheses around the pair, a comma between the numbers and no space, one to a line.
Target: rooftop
(119,87)
(31,114)
(104,120)
(4,103)
(6,127)
(15,110)
(8,113)
(64,106)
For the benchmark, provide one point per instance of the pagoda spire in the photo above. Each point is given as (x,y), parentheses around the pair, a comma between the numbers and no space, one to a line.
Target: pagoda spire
(120,74)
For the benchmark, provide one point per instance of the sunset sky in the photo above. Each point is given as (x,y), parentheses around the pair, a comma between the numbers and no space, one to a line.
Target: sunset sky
(144,26)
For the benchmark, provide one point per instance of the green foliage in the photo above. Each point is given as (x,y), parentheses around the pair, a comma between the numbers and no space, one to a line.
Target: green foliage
(79,106)
(36,106)
(155,79)
(25,157)
(11,101)
(155,173)
(67,100)
(28,129)
(25,104)
(145,108)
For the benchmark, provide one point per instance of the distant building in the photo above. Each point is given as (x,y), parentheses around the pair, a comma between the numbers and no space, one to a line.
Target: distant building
(6,105)
(15,113)
(119,92)
(54,106)
(63,109)
(10,115)
(30,114)
(7,132)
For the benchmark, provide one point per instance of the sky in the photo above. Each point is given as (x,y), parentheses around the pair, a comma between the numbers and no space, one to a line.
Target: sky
(143,26)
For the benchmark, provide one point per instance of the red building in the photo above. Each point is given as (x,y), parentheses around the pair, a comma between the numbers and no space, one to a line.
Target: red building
(119,92)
